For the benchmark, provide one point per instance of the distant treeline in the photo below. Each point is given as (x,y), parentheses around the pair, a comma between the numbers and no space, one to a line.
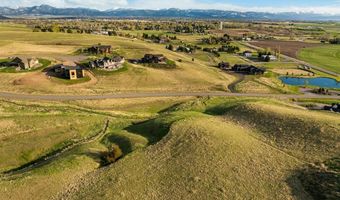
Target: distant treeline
(93,26)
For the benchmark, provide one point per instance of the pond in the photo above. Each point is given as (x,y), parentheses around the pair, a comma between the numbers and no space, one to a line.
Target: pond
(318,82)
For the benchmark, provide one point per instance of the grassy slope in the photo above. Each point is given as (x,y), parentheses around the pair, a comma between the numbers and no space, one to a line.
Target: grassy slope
(326,56)
(197,161)
(202,149)
(215,155)
(53,177)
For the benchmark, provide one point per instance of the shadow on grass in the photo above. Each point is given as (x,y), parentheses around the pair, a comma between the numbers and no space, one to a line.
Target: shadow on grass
(123,142)
(153,130)
(320,180)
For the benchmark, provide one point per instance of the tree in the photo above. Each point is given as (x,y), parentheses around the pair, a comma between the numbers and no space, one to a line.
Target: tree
(112,155)
(267,58)
(171,47)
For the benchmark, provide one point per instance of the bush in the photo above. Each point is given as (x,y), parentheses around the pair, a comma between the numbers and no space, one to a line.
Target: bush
(112,155)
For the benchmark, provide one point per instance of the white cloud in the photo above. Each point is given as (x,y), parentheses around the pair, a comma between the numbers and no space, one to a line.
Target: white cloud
(194,4)
(159,4)
(95,4)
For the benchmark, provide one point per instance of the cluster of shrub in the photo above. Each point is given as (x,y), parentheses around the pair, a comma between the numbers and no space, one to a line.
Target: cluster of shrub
(112,155)
(224,48)
(264,55)
(91,26)
(216,40)
(169,64)
(158,38)
(334,41)
(321,91)
(186,48)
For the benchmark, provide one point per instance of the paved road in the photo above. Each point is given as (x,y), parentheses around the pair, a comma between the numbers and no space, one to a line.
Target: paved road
(298,61)
(7,95)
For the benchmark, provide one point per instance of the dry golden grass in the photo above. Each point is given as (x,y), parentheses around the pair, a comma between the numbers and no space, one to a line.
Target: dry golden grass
(201,158)
(253,87)
(19,48)
(296,72)
(190,76)
(208,148)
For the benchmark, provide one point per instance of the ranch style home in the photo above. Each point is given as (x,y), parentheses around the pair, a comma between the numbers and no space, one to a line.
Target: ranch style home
(271,57)
(248,69)
(23,63)
(224,65)
(70,72)
(247,54)
(108,63)
(153,58)
(100,49)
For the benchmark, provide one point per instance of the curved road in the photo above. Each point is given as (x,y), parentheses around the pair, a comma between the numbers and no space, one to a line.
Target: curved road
(47,97)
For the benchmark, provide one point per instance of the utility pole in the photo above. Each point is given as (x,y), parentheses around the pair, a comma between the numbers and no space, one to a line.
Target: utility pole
(279,53)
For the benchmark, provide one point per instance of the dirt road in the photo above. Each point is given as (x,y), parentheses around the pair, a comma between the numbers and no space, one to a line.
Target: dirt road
(7,95)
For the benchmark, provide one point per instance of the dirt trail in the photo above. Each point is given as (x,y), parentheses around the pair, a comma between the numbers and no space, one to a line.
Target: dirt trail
(239,79)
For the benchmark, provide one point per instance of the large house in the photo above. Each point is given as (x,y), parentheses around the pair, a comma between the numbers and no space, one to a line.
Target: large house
(100,49)
(153,58)
(247,69)
(247,54)
(268,58)
(108,63)
(22,63)
(224,65)
(70,72)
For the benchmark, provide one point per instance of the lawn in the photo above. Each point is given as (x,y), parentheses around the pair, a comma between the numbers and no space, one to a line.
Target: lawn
(327,57)
(44,63)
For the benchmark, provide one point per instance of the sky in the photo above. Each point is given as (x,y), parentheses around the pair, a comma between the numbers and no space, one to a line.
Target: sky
(316,6)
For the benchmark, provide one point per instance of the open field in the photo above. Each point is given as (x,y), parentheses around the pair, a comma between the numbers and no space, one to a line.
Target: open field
(327,56)
(194,76)
(289,48)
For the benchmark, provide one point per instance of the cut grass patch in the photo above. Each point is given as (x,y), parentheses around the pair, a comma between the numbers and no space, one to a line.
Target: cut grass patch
(327,57)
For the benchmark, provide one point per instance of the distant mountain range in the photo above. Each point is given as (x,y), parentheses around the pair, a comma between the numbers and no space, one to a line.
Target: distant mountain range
(3,17)
(46,10)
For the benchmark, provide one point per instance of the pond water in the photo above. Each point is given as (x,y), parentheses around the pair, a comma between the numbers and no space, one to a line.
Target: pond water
(318,82)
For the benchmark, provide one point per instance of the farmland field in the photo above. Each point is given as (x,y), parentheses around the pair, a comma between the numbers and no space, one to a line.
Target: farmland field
(327,57)
(289,48)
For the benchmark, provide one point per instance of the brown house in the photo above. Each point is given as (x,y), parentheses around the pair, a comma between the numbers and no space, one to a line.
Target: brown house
(153,58)
(100,49)
(70,72)
(24,64)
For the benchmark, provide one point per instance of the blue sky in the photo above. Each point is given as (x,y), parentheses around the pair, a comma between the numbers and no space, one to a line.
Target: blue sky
(317,6)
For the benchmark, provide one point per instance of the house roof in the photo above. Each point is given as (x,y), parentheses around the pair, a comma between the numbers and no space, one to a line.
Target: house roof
(101,46)
(71,67)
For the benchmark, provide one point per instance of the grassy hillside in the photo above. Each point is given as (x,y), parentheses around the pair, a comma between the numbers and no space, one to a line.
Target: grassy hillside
(213,149)
(324,56)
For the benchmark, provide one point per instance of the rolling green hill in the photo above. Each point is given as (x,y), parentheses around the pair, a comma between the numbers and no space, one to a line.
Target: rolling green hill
(219,149)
